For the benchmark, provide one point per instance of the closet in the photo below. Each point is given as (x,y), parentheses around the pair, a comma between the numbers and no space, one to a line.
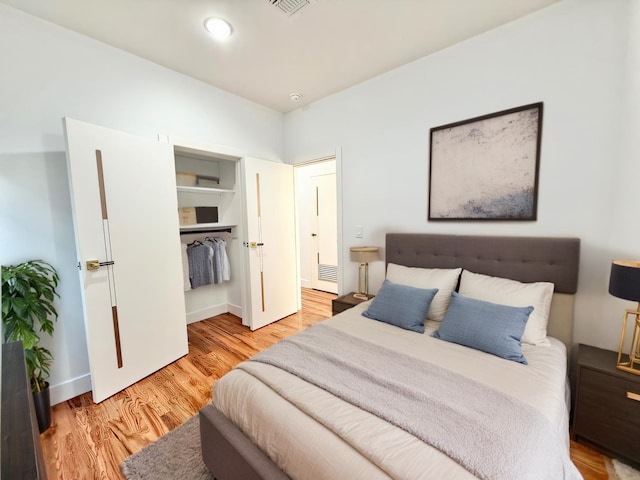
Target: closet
(255,201)
(135,201)
(208,181)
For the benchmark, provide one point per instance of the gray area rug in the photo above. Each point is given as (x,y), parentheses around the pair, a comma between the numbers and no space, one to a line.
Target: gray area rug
(621,471)
(175,455)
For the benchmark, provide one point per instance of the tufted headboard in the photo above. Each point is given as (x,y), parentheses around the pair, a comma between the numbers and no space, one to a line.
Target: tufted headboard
(526,259)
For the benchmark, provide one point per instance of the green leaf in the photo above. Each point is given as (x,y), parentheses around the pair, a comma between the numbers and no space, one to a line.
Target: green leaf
(28,296)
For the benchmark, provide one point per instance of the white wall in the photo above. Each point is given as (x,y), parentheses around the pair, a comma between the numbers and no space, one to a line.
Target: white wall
(49,72)
(624,235)
(574,57)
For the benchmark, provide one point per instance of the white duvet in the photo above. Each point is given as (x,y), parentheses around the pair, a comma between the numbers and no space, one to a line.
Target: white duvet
(359,445)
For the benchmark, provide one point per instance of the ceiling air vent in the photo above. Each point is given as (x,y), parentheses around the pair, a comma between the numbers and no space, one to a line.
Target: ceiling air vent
(291,7)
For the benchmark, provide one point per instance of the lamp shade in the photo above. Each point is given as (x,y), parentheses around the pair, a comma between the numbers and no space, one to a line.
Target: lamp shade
(364,254)
(624,281)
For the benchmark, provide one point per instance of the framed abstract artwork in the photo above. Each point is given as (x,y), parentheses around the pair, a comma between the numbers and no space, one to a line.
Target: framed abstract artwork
(486,168)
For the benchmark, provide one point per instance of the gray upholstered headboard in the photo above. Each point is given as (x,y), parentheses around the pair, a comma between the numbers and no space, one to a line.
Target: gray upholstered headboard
(526,259)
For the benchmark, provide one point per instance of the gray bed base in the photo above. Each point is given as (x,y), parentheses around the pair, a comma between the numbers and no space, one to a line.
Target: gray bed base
(230,455)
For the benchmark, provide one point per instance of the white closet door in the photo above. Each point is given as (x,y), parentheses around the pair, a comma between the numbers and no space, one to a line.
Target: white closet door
(271,245)
(125,212)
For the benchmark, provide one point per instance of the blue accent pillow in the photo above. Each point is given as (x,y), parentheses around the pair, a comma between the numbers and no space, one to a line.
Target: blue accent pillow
(485,326)
(400,305)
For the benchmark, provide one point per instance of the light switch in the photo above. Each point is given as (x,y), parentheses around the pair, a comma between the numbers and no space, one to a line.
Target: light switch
(359,231)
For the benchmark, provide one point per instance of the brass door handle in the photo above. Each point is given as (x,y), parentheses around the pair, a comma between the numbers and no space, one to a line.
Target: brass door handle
(95,264)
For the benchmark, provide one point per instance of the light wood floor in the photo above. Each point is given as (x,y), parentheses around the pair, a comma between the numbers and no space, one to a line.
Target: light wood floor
(89,441)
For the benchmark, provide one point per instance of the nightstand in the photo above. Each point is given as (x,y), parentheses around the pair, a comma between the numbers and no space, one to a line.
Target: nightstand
(345,302)
(607,405)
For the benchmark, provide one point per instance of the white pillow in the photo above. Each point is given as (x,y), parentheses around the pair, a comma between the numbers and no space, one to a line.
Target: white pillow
(515,294)
(445,280)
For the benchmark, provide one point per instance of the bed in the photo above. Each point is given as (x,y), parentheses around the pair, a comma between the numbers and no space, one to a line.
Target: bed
(271,418)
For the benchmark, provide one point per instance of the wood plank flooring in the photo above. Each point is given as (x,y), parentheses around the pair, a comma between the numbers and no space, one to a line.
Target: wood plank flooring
(89,441)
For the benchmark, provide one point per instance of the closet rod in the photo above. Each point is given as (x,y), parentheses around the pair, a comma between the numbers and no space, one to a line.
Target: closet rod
(209,230)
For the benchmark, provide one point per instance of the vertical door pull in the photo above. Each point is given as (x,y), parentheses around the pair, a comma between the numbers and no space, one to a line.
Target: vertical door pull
(95,264)
(259,243)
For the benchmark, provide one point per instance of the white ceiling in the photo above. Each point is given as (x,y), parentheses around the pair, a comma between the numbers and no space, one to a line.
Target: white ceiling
(329,46)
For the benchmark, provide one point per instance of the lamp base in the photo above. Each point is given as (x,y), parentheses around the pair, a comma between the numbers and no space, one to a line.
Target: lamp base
(627,367)
(632,365)
(363,282)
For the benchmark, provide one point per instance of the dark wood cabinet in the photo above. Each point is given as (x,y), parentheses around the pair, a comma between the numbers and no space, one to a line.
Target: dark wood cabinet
(345,302)
(20,449)
(607,405)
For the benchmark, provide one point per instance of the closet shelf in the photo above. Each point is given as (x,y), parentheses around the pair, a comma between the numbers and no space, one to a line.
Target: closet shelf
(205,190)
(196,227)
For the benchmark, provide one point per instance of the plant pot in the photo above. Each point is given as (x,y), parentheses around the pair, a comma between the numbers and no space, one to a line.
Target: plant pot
(42,405)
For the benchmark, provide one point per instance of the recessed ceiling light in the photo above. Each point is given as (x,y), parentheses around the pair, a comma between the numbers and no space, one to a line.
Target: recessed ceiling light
(295,97)
(219,28)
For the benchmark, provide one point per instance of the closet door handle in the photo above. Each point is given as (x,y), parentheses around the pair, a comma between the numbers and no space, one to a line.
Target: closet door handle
(95,264)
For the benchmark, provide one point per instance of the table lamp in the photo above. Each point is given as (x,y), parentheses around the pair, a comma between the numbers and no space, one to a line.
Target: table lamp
(363,255)
(624,283)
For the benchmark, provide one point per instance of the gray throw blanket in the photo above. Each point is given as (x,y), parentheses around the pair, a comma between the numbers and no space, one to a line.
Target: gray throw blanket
(492,435)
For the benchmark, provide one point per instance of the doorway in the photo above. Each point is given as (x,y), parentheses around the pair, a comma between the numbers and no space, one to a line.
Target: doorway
(317,214)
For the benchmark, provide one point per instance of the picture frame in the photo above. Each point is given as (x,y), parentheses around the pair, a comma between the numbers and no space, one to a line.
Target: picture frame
(487,167)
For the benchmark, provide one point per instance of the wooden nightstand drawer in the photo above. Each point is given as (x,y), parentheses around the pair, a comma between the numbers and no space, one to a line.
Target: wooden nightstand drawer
(611,393)
(606,415)
(607,410)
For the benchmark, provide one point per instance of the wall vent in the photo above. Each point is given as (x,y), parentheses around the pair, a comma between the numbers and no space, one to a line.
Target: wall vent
(291,7)
(328,273)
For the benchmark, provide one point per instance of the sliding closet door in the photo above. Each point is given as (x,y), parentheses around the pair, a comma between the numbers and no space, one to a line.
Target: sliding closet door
(127,237)
(270,245)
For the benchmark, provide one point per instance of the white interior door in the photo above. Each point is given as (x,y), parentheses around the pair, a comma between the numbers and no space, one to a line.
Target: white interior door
(270,241)
(325,266)
(125,211)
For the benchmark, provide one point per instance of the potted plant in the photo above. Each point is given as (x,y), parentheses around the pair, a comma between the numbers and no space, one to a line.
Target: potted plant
(28,291)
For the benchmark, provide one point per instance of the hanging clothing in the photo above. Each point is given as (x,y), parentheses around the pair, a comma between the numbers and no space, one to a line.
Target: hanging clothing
(226,266)
(216,260)
(219,260)
(200,265)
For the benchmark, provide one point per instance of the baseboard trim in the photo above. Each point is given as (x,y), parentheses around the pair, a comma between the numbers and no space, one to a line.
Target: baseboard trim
(203,313)
(235,309)
(212,311)
(72,388)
